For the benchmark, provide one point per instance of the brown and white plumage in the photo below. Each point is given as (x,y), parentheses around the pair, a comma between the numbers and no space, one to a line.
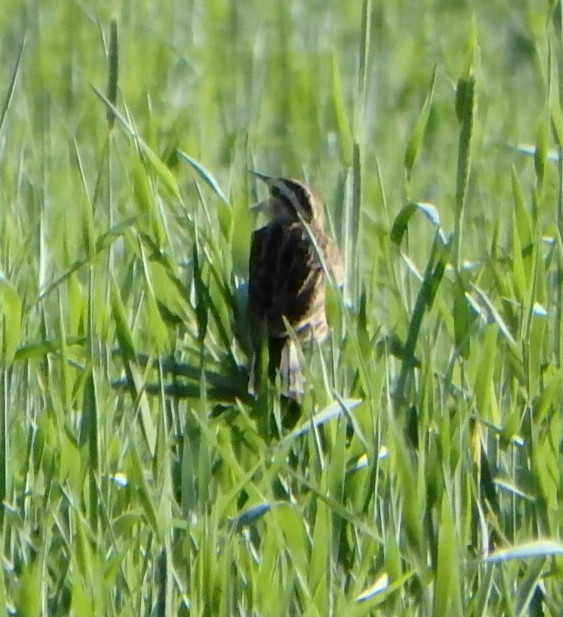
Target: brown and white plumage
(287,279)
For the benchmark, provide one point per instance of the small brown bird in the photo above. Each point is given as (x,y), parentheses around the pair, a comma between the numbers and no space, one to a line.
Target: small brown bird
(287,279)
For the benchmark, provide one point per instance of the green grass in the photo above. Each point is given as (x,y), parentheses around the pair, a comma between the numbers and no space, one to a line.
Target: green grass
(137,477)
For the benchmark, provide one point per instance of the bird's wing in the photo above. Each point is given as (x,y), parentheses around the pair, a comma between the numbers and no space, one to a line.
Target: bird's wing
(285,276)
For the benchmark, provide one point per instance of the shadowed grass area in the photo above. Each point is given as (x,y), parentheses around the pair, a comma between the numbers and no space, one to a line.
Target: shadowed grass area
(423,476)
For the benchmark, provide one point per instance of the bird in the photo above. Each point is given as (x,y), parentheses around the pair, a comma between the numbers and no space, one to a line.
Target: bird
(289,260)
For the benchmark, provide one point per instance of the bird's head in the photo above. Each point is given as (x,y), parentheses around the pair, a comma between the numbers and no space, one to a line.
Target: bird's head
(290,199)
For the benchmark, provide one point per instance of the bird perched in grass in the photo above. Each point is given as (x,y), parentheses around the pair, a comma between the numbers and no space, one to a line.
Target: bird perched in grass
(289,259)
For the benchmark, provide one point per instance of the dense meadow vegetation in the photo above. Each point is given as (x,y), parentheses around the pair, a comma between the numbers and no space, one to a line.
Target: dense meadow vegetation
(424,474)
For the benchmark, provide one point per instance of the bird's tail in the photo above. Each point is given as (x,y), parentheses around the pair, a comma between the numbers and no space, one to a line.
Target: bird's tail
(292,381)
(283,358)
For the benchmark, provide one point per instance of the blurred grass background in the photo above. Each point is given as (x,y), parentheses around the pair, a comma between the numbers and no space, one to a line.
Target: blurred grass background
(136,475)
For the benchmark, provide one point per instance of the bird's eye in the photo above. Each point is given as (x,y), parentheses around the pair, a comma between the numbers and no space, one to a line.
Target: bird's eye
(295,197)
(282,195)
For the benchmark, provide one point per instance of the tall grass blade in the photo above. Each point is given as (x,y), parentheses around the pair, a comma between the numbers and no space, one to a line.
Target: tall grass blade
(345,137)
(10,320)
(417,135)
(465,111)
(113,71)
(205,174)
(11,86)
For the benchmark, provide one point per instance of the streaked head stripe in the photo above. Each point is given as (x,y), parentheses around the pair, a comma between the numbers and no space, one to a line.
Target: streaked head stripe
(294,194)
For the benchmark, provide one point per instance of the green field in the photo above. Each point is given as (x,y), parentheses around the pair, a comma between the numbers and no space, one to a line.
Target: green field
(424,476)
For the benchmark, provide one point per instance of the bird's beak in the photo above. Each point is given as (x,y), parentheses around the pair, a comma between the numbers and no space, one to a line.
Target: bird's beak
(261,205)
(262,177)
